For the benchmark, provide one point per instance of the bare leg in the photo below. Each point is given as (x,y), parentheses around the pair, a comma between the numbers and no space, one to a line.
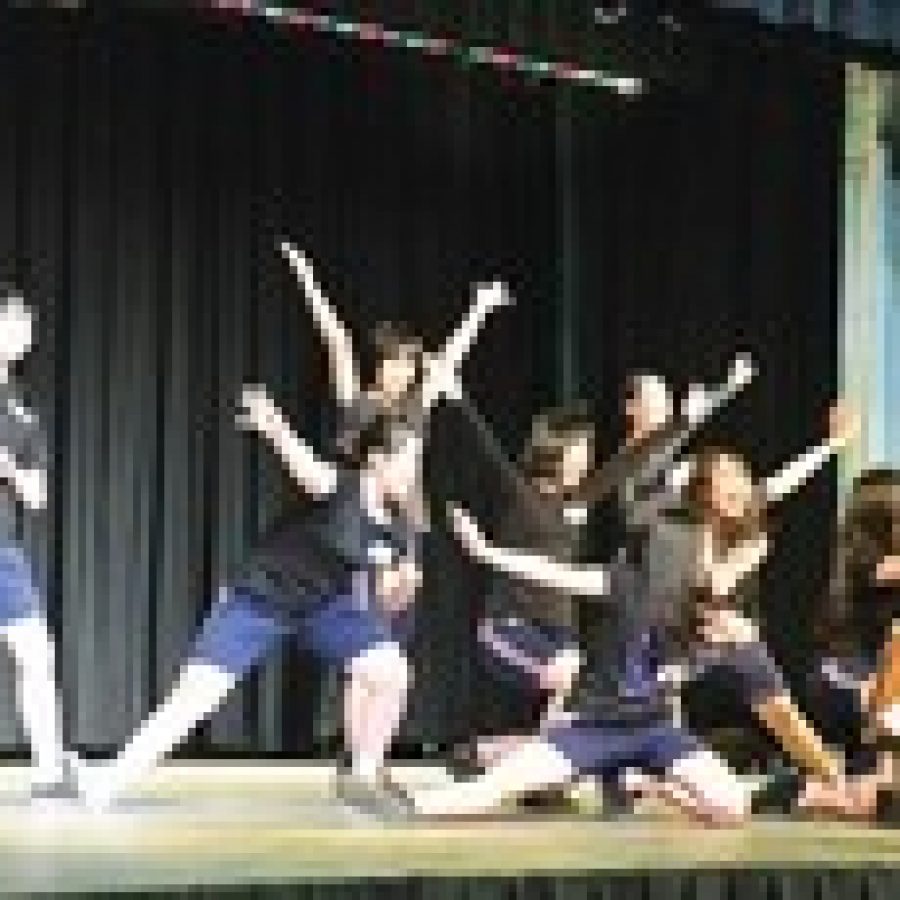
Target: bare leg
(534,765)
(375,694)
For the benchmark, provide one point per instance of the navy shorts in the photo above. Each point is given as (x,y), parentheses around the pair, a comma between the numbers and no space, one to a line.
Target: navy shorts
(243,627)
(19,597)
(517,649)
(605,749)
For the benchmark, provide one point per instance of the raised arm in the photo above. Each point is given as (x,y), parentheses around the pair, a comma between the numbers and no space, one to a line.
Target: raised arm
(723,576)
(700,403)
(344,367)
(260,414)
(442,369)
(592,581)
(843,426)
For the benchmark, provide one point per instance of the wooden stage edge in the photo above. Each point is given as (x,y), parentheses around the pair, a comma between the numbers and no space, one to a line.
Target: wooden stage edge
(225,827)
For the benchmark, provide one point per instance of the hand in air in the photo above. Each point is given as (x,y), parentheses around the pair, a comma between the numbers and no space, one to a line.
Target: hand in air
(843,423)
(299,261)
(742,372)
(256,410)
(493,296)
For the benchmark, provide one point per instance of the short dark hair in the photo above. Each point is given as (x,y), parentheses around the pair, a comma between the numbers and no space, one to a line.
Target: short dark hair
(552,432)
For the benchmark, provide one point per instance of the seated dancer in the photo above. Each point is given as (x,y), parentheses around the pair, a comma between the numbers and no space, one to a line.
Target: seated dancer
(528,627)
(23,623)
(855,689)
(329,574)
(620,715)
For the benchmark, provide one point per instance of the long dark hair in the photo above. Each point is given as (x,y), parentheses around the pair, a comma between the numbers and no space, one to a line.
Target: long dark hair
(698,497)
(697,508)
(869,530)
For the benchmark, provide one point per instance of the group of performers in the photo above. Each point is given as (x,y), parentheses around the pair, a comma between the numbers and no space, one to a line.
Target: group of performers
(340,571)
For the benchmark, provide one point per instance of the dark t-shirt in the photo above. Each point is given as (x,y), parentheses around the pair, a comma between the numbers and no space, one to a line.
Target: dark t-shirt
(23,438)
(314,549)
(547,525)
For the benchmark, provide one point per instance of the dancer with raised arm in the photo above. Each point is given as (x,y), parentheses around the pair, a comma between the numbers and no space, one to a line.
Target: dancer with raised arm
(528,626)
(332,573)
(620,716)
(23,623)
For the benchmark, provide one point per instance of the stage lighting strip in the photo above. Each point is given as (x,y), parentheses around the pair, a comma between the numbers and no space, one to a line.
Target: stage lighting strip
(499,58)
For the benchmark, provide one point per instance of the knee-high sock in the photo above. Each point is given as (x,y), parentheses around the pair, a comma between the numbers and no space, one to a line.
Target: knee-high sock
(375,692)
(31,645)
(532,766)
(199,691)
(780,715)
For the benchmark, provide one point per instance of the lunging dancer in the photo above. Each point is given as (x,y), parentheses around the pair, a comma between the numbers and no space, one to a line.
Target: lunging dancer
(620,715)
(329,574)
(23,624)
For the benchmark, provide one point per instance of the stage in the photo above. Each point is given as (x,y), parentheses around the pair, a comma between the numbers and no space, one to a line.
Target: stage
(223,827)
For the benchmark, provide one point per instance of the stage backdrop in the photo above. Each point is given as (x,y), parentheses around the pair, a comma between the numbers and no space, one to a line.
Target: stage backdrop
(148,167)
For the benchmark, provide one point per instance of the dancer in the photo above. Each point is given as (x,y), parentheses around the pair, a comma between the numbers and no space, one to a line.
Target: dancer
(392,399)
(855,687)
(330,575)
(23,624)
(620,716)
(528,627)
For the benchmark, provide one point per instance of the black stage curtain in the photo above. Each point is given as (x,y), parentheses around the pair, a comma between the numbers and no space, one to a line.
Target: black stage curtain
(149,165)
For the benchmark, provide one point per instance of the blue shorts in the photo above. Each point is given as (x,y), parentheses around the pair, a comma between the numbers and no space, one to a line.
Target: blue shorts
(19,597)
(605,749)
(243,627)
(517,649)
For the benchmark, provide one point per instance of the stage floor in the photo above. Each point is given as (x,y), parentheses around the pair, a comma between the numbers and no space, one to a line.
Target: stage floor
(217,825)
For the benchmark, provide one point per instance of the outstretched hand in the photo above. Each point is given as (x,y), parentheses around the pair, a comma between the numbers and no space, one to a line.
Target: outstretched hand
(256,410)
(843,423)
(493,296)
(742,372)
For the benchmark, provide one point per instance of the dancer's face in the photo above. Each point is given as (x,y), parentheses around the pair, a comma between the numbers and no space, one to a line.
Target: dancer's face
(730,488)
(397,372)
(646,410)
(16,331)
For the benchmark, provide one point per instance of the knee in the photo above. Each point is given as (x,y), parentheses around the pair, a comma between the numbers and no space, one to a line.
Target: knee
(30,642)
(384,666)
(560,673)
(718,795)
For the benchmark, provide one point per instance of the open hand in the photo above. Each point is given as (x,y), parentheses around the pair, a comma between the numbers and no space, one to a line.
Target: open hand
(742,371)
(256,411)
(843,423)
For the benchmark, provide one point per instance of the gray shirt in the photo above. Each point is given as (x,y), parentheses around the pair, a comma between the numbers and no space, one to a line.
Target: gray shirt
(22,437)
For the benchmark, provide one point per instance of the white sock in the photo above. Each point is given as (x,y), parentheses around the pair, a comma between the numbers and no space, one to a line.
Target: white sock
(530,767)
(367,768)
(31,645)
(199,691)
